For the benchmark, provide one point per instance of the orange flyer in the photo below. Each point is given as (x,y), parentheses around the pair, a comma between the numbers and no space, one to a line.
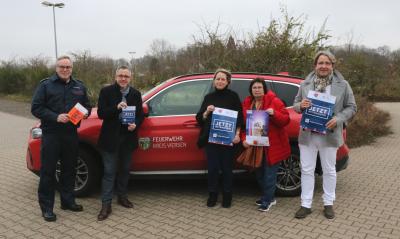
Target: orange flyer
(77,113)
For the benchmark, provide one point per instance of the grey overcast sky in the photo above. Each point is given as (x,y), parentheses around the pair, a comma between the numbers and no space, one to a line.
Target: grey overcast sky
(115,27)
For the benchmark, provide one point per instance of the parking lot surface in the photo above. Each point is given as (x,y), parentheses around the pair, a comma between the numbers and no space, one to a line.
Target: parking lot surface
(367,204)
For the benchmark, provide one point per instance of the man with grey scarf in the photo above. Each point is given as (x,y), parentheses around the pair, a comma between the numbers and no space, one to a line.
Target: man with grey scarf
(117,140)
(323,79)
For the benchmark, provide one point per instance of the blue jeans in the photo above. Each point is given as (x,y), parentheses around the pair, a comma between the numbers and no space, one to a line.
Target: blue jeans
(116,172)
(219,158)
(266,177)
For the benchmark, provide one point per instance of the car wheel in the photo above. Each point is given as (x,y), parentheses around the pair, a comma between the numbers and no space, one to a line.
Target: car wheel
(87,173)
(289,175)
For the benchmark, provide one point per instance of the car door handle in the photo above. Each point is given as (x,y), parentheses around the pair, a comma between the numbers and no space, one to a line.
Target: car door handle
(190,123)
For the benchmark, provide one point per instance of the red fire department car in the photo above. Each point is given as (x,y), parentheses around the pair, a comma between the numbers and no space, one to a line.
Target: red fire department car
(168,135)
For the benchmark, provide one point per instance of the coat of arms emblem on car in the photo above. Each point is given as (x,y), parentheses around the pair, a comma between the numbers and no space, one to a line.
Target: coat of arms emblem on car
(144,143)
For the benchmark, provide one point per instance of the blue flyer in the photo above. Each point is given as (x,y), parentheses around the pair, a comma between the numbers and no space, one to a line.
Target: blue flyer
(223,126)
(315,117)
(128,115)
(257,127)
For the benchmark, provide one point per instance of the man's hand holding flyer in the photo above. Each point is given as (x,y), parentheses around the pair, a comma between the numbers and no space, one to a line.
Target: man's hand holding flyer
(77,113)
(128,115)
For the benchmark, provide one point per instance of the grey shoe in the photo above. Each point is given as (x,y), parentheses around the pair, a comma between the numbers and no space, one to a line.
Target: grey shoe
(302,212)
(328,212)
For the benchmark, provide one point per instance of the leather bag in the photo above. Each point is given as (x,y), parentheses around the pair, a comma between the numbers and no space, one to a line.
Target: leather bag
(251,157)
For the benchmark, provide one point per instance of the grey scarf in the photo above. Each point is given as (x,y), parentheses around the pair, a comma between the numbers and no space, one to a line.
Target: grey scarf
(124,93)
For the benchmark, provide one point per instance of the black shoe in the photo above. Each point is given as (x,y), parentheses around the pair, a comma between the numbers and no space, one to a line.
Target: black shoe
(212,199)
(226,199)
(104,212)
(49,216)
(123,201)
(72,207)
(328,212)
(303,212)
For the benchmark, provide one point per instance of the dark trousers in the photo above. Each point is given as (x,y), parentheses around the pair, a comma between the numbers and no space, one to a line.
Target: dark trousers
(219,158)
(266,177)
(116,172)
(64,147)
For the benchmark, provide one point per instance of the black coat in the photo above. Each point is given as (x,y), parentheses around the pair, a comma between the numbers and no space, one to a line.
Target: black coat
(226,99)
(53,97)
(111,129)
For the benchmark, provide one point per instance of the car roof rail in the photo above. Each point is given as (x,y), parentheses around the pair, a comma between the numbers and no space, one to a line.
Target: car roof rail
(281,74)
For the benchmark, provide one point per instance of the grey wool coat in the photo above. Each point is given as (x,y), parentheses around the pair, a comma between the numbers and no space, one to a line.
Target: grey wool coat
(344,110)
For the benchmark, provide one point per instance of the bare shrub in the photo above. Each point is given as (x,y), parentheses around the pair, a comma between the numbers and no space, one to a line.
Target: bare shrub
(368,124)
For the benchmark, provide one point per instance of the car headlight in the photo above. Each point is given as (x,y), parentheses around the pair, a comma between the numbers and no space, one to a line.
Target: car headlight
(36,133)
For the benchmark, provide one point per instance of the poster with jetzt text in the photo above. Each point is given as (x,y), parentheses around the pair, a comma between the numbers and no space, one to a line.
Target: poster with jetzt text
(223,126)
(319,113)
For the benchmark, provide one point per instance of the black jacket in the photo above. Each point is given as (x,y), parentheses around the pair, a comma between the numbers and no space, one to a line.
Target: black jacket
(111,129)
(53,97)
(226,99)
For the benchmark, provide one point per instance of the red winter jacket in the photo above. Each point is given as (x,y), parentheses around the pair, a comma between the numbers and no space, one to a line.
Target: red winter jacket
(279,148)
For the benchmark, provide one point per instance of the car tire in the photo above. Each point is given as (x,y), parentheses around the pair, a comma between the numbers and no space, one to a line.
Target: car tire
(87,173)
(288,182)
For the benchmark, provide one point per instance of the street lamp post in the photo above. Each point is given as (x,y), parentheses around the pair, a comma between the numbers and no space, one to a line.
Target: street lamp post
(132,65)
(54,5)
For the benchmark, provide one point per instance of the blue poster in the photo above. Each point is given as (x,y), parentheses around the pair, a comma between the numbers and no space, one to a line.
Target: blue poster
(128,115)
(223,126)
(257,127)
(319,113)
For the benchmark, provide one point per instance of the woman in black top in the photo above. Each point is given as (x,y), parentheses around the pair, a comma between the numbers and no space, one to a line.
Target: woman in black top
(219,157)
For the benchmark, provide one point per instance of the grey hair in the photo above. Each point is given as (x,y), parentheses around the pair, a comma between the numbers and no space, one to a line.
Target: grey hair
(123,67)
(326,53)
(63,57)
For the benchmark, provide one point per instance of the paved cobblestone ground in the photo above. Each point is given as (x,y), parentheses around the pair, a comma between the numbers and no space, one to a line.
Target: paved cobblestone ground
(367,205)
(16,108)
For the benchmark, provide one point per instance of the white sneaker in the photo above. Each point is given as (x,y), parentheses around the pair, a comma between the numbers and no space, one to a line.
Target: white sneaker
(266,207)
(259,202)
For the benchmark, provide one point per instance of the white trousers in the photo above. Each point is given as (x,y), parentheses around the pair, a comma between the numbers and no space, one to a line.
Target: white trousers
(308,159)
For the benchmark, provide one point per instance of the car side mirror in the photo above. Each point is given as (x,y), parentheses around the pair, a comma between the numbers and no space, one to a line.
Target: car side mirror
(145,109)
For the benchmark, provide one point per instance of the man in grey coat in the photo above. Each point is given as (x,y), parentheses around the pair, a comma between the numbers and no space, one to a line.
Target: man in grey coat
(324,79)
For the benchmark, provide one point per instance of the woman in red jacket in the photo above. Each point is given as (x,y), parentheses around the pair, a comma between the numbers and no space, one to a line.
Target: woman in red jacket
(262,99)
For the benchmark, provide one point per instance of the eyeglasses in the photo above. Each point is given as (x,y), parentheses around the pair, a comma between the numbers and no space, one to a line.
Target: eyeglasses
(65,67)
(123,76)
